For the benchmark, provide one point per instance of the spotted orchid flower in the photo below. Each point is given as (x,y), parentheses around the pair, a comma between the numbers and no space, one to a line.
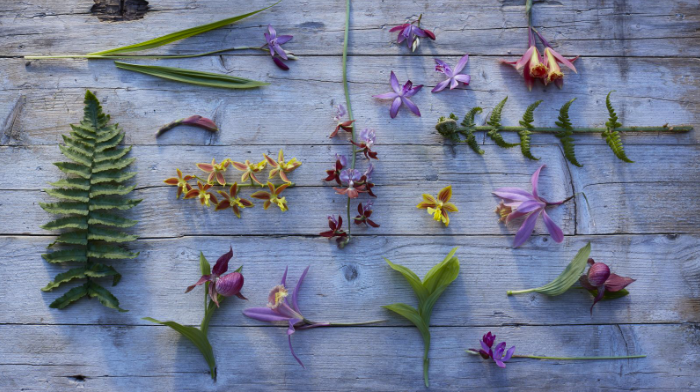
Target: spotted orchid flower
(600,280)
(521,203)
(441,207)
(400,96)
(340,112)
(272,197)
(220,284)
(454,78)
(249,169)
(498,354)
(280,167)
(350,177)
(232,201)
(181,182)
(367,138)
(216,171)
(201,193)
(274,44)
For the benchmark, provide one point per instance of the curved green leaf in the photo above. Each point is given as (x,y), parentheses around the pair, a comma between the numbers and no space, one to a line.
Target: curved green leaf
(73,168)
(111,143)
(64,208)
(208,79)
(110,190)
(107,219)
(469,133)
(412,279)
(97,233)
(110,155)
(66,255)
(442,273)
(72,183)
(611,136)
(68,194)
(107,251)
(69,222)
(112,165)
(495,122)
(110,203)
(566,279)
(117,176)
(103,295)
(69,297)
(526,122)
(78,237)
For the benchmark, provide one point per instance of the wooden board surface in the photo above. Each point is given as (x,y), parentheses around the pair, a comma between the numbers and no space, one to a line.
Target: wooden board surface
(641,218)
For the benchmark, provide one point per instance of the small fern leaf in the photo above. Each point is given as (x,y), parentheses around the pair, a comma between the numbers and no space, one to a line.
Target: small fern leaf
(68,194)
(72,183)
(65,208)
(565,136)
(64,277)
(116,176)
(495,122)
(611,135)
(100,190)
(469,123)
(612,122)
(525,144)
(107,251)
(71,296)
(112,165)
(103,295)
(109,203)
(65,255)
(112,154)
(78,237)
(103,218)
(529,115)
(104,234)
(74,168)
(526,122)
(68,222)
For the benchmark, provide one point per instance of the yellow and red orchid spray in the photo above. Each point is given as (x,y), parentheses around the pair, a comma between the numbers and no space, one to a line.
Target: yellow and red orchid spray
(229,198)
(441,207)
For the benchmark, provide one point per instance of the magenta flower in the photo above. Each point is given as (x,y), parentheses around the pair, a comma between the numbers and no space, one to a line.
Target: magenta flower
(531,205)
(279,309)
(400,96)
(274,44)
(336,230)
(497,354)
(454,78)
(408,32)
(227,285)
(600,279)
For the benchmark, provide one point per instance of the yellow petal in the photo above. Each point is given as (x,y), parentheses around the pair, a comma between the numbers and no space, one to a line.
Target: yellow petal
(445,193)
(429,198)
(449,207)
(425,204)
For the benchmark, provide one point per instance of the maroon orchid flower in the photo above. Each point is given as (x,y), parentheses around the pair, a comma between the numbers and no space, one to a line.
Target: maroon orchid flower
(351,178)
(344,125)
(496,354)
(226,285)
(232,201)
(336,229)
(400,96)
(334,174)
(599,280)
(365,211)
(366,180)
(367,138)
(410,31)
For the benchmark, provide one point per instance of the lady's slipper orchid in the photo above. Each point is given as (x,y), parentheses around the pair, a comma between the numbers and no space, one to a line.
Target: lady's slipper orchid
(281,167)
(226,285)
(531,206)
(496,354)
(201,192)
(552,60)
(280,309)
(531,65)
(231,200)
(180,182)
(336,230)
(274,44)
(334,174)
(400,96)
(272,196)
(249,169)
(409,32)
(215,171)
(454,78)
(367,139)
(439,208)
(600,278)
(365,211)
(345,125)
(350,177)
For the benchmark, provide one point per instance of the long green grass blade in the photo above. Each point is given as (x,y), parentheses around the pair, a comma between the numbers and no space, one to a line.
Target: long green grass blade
(189,76)
(566,279)
(178,35)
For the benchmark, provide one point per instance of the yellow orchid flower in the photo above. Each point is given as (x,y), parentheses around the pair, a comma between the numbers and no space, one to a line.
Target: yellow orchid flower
(439,207)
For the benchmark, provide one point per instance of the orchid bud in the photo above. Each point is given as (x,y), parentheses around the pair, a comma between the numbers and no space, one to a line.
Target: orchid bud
(202,122)
(598,274)
(489,338)
(230,284)
(416,42)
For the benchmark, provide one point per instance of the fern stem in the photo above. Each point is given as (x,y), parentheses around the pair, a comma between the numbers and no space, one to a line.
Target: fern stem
(665,129)
(347,101)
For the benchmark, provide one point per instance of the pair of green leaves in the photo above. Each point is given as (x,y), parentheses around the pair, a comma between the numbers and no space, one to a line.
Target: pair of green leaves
(428,291)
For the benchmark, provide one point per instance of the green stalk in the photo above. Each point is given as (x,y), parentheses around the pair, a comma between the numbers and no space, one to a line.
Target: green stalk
(354,324)
(511,292)
(347,99)
(664,128)
(426,361)
(139,56)
(579,358)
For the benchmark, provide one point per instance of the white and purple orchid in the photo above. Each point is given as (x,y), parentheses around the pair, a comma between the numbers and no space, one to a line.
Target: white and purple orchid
(519,203)
(274,44)
(227,285)
(400,96)
(454,78)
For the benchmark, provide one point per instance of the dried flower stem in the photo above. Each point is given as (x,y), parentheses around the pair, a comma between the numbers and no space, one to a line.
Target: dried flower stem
(347,101)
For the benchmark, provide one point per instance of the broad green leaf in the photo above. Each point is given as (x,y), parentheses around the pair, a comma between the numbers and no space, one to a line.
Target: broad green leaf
(412,315)
(204,264)
(412,279)
(103,295)
(610,295)
(66,255)
(431,279)
(189,76)
(69,297)
(197,337)
(566,279)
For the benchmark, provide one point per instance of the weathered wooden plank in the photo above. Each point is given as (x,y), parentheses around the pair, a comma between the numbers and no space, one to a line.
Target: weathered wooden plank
(54,93)
(353,284)
(258,359)
(589,28)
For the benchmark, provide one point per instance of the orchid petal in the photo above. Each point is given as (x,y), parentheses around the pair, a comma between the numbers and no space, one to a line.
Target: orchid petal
(203,279)
(561,59)
(454,84)
(515,194)
(264,314)
(440,86)
(283,39)
(535,179)
(529,206)
(395,83)
(509,354)
(616,283)
(526,229)
(284,277)
(386,96)
(295,295)
(292,350)
(221,265)
(520,64)
(463,78)
(461,64)
(413,90)
(554,230)
(445,194)
(412,106)
(395,107)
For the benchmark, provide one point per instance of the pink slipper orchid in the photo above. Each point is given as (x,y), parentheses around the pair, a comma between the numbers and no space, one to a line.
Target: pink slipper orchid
(600,278)
(226,285)
(530,205)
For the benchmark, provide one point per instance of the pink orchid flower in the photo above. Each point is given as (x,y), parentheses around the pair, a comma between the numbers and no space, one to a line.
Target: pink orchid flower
(454,78)
(531,66)
(226,285)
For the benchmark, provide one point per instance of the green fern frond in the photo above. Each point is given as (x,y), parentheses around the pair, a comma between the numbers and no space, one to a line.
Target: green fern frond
(97,169)
(612,137)
(469,123)
(495,123)
(526,122)
(565,136)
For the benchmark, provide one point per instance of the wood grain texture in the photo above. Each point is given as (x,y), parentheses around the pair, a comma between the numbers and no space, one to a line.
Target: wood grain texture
(642,219)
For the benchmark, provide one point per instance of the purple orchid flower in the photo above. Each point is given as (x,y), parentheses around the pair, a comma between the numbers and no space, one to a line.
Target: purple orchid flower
(523,203)
(409,32)
(496,354)
(274,43)
(454,78)
(350,177)
(227,285)
(401,95)
(600,278)
(279,309)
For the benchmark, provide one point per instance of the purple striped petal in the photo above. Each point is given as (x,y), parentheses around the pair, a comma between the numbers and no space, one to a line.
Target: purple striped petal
(530,205)
(461,64)
(295,295)
(395,83)
(395,107)
(535,179)
(554,230)
(412,90)
(509,354)
(412,106)
(515,194)
(221,265)
(386,96)
(463,78)
(515,215)
(440,86)
(526,229)
(292,350)
(454,83)
(264,314)
(284,277)
(283,39)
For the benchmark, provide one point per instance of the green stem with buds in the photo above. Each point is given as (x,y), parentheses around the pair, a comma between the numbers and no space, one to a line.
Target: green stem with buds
(347,100)
(663,128)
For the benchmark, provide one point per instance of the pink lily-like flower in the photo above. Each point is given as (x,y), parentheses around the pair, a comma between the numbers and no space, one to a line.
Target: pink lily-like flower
(531,65)
(227,285)
(531,205)
(552,60)
(600,278)
(454,78)
(400,96)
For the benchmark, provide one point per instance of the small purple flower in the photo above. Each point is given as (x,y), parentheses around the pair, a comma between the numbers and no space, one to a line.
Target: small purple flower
(274,44)
(401,95)
(366,141)
(368,172)
(524,203)
(342,159)
(409,32)
(279,308)
(454,78)
(368,136)
(349,177)
(497,354)
(227,285)
(340,112)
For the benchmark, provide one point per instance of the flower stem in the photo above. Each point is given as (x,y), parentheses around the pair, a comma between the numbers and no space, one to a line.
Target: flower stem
(252,184)
(140,56)
(511,292)
(347,100)
(353,324)
(579,358)
(664,128)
